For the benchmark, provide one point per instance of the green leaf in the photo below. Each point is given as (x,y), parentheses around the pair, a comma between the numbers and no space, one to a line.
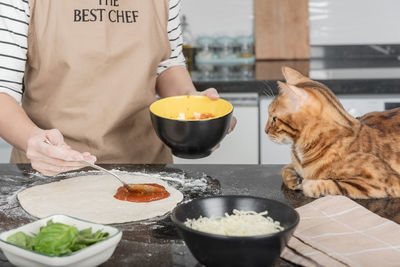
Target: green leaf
(86,232)
(55,239)
(22,240)
(87,238)
(76,247)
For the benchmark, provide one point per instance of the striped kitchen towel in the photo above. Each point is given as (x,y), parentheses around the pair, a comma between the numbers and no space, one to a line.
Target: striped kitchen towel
(336,231)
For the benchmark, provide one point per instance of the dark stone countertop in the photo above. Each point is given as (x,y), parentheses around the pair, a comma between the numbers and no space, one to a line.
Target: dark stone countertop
(342,87)
(155,242)
(343,75)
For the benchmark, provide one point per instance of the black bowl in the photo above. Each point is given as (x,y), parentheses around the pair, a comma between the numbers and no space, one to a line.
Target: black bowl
(191,138)
(217,250)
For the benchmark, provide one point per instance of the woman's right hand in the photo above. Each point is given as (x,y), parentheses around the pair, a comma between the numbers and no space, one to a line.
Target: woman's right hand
(54,158)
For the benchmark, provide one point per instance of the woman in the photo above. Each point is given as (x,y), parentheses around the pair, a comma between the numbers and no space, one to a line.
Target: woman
(88,71)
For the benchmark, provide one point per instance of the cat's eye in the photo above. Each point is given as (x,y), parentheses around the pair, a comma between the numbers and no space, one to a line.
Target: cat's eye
(274,119)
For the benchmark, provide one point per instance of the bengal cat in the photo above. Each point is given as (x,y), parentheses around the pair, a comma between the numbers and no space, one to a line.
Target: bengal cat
(334,153)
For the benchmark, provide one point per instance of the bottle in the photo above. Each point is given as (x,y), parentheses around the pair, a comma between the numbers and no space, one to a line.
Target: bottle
(205,56)
(205,49)
(225,45)
(187,46)
(246,49)
(246,56)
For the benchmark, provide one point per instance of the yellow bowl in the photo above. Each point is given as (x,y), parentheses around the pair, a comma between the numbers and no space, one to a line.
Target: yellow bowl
(177,121)
(187,106)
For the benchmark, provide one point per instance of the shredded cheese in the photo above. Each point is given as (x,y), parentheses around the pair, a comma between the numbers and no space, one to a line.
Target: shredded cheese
(196,116)
(240,223)
(181,116)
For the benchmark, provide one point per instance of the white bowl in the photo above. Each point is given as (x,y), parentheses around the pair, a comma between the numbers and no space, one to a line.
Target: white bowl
(93,255)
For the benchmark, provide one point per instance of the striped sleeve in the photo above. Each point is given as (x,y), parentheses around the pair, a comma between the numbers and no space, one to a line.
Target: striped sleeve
(175,38)
(14,22)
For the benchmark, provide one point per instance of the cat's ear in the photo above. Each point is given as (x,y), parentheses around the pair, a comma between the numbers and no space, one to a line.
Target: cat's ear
(293,76)
(298,97)
(292,91)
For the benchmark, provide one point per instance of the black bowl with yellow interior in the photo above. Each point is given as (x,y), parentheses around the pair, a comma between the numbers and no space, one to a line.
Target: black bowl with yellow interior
(191,125)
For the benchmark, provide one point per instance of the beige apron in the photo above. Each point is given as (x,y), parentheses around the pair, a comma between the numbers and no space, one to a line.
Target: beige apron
(91,73)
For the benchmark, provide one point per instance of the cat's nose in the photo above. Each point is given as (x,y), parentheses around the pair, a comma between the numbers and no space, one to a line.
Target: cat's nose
(267,129)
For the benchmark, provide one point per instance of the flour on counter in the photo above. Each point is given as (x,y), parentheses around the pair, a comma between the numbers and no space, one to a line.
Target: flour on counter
(191,185)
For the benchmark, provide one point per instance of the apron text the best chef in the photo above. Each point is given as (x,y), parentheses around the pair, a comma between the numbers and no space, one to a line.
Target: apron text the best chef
(91,73)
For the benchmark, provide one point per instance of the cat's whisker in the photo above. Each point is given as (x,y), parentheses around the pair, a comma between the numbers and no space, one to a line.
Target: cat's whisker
(263,91)
(268,87)
(266,92)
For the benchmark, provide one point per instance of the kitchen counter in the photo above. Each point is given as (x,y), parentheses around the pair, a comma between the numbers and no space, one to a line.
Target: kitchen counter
(346,76)
(155,242)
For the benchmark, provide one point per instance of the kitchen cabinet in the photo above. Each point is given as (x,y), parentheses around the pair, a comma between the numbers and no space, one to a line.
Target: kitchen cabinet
(242,145)
(356,105)
(269,151)
(5,151)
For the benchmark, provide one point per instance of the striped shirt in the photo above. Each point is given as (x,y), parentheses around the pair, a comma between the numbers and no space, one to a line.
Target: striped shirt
(14,23)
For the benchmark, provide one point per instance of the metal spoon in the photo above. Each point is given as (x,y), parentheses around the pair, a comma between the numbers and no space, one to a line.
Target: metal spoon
(145,188)
(141,188)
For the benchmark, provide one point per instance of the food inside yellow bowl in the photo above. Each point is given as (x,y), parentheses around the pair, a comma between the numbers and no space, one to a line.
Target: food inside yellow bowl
(196,116)
(190,107)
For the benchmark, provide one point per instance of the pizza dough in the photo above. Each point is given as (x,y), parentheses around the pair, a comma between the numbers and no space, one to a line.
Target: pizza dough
(92,198)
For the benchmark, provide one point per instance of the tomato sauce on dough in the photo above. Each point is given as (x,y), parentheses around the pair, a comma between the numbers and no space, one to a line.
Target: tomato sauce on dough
(138,196)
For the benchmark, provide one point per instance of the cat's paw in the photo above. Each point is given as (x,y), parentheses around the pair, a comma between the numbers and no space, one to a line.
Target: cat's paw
(319,188)
(311,189)
(290,178)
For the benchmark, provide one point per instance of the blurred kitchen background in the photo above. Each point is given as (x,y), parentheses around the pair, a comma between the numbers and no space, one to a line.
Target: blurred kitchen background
(239,47)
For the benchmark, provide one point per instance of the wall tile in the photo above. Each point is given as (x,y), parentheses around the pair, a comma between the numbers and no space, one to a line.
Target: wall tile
(219,17)
(337,22)
(332,22)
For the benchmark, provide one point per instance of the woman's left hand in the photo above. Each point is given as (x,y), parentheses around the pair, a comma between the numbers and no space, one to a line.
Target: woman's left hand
(212,93)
